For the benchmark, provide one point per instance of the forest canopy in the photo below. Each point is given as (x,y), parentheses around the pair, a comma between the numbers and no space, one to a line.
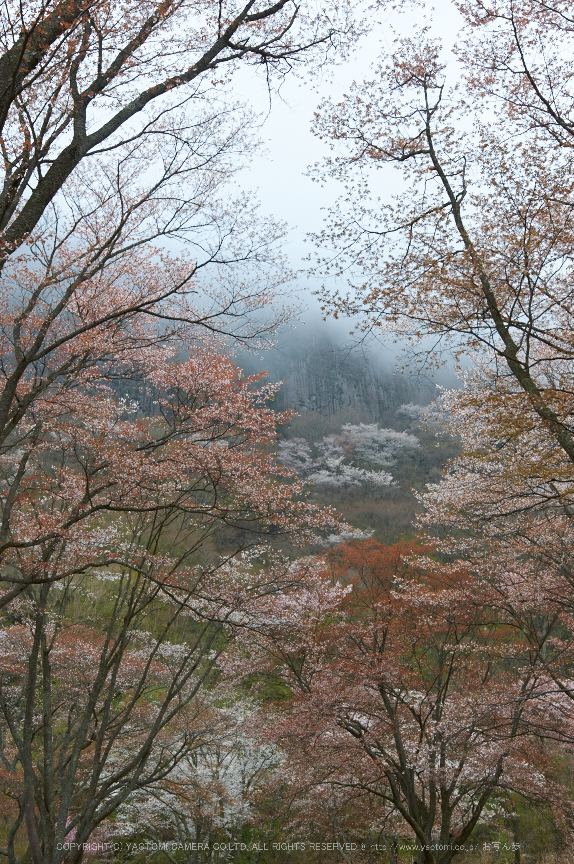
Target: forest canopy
(201,658)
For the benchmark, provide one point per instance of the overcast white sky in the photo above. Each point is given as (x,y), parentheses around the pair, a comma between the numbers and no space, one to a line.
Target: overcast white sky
(278,176)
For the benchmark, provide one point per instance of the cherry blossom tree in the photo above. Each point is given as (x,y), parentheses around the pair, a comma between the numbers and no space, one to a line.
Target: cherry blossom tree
(86,462)
(504,509)
(527,77)
(412,693)
(83,79)
(477,251)
(478,248)
(121,252)
(209,798)
(120,236)
(96,713)
(115,511)
(334,463)
(117,133)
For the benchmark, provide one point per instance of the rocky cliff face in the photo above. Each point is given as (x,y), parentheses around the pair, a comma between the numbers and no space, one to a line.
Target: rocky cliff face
(320,376)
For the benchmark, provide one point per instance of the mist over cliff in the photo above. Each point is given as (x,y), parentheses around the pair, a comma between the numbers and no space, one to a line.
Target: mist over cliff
(321,372)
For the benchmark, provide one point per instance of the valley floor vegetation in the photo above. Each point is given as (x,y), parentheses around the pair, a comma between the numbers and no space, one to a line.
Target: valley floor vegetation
(202,659)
